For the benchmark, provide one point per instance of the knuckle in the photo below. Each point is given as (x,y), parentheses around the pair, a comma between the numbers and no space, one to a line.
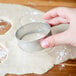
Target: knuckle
(63,9)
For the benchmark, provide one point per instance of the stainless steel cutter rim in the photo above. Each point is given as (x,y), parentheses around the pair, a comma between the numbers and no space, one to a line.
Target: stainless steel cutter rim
(35,39)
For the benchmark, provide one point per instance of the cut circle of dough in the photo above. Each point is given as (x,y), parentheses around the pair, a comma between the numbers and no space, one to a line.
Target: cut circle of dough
(20,62)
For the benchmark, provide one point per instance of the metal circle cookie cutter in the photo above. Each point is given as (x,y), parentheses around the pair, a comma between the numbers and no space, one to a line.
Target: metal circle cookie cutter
(30,34)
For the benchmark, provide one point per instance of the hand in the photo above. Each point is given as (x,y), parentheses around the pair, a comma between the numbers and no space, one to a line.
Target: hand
(57,16)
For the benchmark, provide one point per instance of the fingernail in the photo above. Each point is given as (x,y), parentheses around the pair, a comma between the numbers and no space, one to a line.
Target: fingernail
(44,44)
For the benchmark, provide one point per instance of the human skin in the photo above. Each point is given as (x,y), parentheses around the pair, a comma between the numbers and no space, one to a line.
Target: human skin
(61,15)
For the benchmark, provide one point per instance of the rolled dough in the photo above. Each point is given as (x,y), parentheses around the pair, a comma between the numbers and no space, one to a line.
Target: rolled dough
(32,36)
(20,62)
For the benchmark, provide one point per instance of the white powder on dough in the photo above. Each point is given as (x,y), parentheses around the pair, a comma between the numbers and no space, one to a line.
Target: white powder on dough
(32,36)
(20,62)
(3,53)
(2,27)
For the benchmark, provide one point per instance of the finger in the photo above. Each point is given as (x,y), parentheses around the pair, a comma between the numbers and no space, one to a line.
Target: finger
(51,14)
(54,40)
(57,21)
(60,11)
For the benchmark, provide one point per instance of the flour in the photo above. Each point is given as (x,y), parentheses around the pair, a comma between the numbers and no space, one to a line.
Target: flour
(2,27)
(32,36)
(3,53)
(20,62)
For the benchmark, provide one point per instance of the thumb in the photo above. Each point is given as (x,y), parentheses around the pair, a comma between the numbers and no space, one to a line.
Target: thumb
(58,39)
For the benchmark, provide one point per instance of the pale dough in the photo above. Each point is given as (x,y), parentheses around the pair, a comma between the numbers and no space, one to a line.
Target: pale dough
(20,62)
(32,36)
(3,53)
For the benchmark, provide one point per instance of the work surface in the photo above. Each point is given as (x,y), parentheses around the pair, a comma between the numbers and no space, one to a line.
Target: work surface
(43,5)
(65,69)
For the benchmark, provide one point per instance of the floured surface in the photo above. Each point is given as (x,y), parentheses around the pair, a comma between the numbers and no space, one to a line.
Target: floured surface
(20,62)
(3,53)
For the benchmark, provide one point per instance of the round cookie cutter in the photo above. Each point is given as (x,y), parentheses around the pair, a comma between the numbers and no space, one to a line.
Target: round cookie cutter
(29,29)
